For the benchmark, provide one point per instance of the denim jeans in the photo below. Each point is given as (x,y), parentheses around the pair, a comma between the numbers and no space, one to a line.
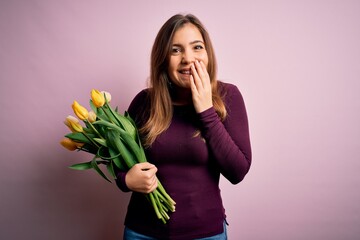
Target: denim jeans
(132,235)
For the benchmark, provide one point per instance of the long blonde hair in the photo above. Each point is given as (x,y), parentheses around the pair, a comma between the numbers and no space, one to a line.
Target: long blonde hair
(161,108)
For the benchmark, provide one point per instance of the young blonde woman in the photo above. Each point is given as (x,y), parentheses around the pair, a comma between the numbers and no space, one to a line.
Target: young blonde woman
(194,128)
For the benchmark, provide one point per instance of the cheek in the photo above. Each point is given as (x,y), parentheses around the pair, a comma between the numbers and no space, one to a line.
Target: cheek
(173,63)
(171,67)
(204,58)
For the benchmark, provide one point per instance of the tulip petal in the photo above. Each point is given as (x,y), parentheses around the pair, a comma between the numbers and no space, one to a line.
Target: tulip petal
(92,116)
(107,96)
(68,144)
(97,98)
(80,111)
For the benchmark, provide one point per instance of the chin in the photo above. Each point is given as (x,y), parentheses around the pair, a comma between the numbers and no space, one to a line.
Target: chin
(186,85)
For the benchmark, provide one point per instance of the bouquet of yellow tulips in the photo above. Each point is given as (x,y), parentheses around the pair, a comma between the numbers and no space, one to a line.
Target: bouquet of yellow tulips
(114,141)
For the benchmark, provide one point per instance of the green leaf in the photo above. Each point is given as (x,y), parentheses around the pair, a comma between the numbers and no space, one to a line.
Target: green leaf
(86,165)
(104,153)
(94,164)
(127,115)
(92,106)
(89,148)
(108,111)
(135,148)
(79,137)
(117,159)
(129,126)
(129,158)
(81,166)
(125,123)
(88,130)
(107,124)
(131,120)
(100,141)
(101,114)
(110,168)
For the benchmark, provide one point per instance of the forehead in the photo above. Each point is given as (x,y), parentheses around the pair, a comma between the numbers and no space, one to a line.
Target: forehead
(186,34)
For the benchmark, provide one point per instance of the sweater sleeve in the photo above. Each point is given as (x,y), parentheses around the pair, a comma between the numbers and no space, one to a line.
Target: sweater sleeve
(229,141)
(120,181)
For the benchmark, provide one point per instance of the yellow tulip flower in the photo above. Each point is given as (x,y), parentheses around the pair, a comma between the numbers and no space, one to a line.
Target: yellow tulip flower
(76,126)
(92,116)
(107,95)
(80,111)
(70,119)
(70,144)
(97,98)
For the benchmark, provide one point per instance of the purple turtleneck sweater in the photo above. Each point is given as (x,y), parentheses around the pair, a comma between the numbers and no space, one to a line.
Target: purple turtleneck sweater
(189,167)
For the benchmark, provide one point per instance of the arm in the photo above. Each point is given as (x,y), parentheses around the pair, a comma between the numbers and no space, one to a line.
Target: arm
(229,141)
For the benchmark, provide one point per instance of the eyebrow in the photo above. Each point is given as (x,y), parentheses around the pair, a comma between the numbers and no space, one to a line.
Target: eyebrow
(191,43)
(197,41)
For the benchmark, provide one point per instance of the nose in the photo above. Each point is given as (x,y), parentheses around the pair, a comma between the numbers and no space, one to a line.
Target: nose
(188,57)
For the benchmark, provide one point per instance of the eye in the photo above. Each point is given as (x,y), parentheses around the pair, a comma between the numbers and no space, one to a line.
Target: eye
(198,47)
(175,50)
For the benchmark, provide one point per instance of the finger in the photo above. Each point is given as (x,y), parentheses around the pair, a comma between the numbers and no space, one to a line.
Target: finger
(203,67)
(152,186)
(196,77)
(151,172)
(145,166)
(199,71)
(193,86)
(155,185)
(202,71)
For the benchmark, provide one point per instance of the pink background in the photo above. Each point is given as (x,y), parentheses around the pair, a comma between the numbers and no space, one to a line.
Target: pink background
(297,64)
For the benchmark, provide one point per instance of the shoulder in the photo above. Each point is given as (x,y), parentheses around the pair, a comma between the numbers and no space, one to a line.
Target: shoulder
(234,102)
(228,91)
(140,99)
(139,105)
(141,96)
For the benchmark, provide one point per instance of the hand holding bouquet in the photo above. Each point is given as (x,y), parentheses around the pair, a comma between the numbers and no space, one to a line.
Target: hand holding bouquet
(114,141)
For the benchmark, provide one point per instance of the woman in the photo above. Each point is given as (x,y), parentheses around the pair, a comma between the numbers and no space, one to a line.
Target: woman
(194,128)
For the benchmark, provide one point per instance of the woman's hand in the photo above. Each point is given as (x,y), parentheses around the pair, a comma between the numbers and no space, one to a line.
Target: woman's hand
(141,178)
(200,87)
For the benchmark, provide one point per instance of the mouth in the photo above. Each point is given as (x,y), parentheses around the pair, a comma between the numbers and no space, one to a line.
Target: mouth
(186,71)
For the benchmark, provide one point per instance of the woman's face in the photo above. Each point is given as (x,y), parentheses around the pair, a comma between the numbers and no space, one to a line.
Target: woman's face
(187,46)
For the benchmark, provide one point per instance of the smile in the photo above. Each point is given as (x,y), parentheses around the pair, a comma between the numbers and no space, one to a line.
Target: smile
(185,71)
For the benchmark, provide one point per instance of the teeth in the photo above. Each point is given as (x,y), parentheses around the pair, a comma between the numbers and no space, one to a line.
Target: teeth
(185,71)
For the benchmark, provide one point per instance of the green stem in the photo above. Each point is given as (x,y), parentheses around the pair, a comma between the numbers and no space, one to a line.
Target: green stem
(160,207)
(164,193)
(94,129)
(106,105)
(106,158)
(166,216)
(166,203)
(90,139)
(152,199)
(103,108)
